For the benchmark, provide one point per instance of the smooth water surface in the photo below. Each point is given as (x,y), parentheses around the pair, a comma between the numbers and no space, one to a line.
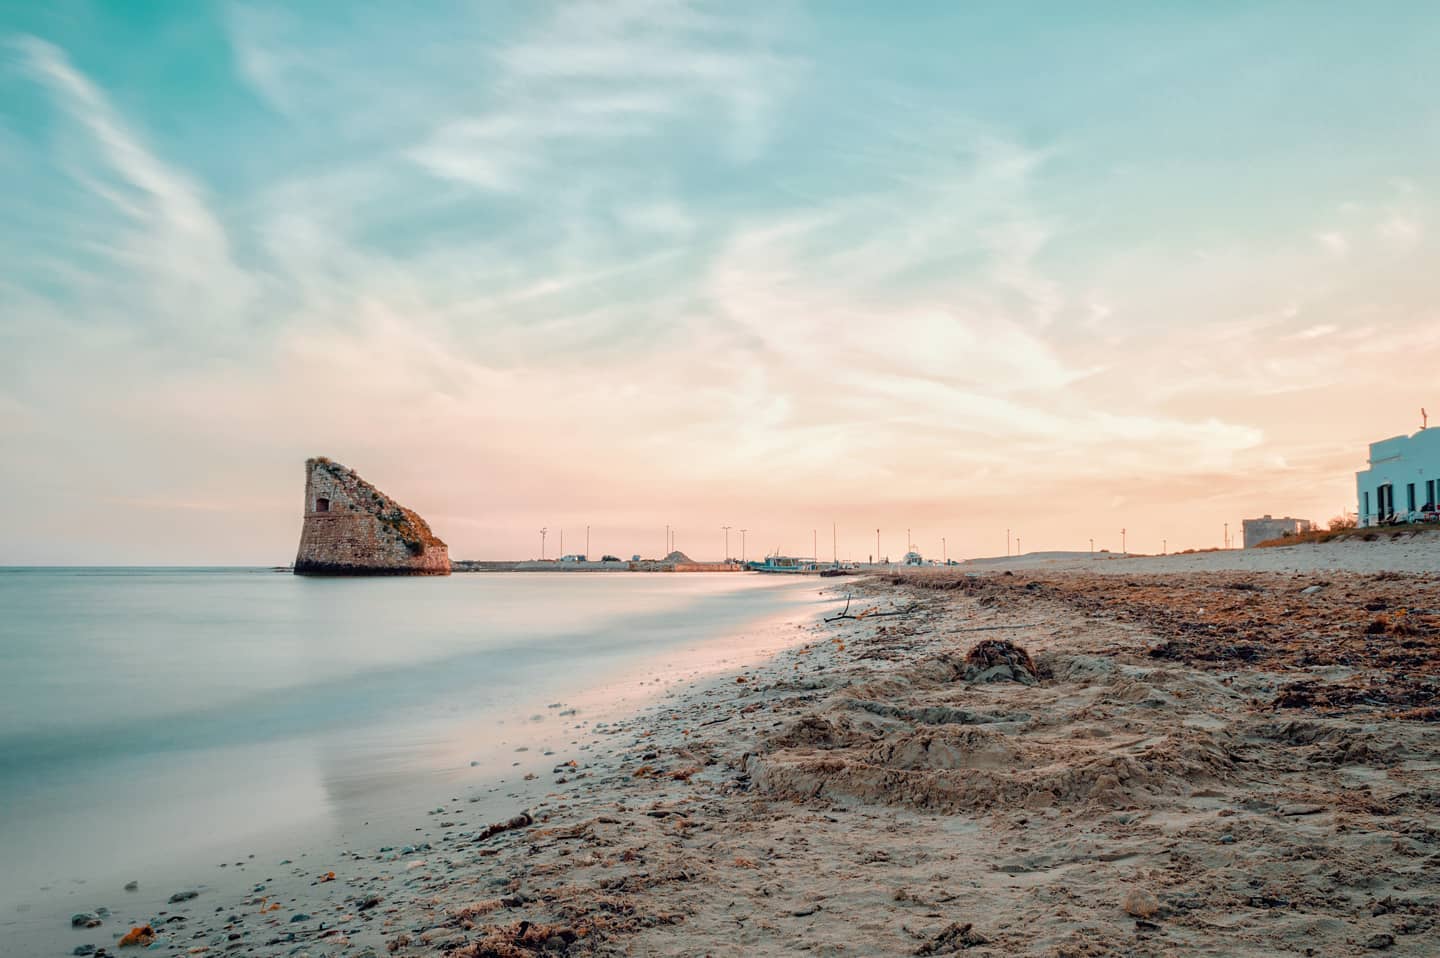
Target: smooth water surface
(155,719)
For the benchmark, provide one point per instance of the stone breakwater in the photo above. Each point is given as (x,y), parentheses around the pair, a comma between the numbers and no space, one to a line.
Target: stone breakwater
(352,528)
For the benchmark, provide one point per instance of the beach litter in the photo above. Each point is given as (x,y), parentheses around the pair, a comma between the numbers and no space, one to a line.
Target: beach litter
(141,936)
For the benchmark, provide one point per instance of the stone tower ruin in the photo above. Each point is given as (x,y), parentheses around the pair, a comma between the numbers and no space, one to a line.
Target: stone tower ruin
(352,528)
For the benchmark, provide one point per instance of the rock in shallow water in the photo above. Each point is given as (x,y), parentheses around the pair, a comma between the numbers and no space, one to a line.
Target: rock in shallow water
(84,920)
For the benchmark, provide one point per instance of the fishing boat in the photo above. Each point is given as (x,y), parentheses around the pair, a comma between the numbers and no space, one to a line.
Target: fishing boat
(783,564)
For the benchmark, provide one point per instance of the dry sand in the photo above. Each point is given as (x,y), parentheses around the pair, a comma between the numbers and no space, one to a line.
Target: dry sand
(1367,550)
(1170,763)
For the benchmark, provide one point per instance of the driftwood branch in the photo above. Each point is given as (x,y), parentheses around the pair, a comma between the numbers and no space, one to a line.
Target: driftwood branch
(871,613)
(523,820)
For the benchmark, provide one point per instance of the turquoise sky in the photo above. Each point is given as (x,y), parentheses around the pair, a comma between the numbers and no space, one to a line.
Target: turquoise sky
(954,267)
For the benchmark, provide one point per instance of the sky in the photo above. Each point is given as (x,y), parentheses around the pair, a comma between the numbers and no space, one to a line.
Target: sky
(1059,269)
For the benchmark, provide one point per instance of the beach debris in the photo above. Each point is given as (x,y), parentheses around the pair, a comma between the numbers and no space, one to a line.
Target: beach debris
(952,938)
(141,936)
(518,940)
(523,820)
(871,613)
(180,896)
(997,660)
(85,919)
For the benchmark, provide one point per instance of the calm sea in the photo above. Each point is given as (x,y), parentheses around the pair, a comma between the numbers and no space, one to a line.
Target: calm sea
(156,721)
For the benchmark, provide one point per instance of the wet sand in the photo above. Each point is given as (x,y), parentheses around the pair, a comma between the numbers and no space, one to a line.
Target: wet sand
(1056,762)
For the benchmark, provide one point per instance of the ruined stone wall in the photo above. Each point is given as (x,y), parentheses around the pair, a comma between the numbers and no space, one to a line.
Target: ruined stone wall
(352,528)
(1268,528)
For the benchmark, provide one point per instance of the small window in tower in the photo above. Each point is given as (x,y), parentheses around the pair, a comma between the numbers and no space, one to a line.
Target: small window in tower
(322,505)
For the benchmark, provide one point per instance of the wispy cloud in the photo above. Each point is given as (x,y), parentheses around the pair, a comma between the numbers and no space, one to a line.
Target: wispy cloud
(594,73)
(173,237)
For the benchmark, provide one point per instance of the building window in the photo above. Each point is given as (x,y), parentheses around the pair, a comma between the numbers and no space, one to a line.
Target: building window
(1365,510)
(1429,493)
(322,505)
(1410,496)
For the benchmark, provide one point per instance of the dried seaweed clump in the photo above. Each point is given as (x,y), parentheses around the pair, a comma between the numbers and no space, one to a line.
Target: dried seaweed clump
(997,660)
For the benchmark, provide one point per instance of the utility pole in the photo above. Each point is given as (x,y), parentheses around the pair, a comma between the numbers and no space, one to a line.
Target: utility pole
(1164,547)
(877,546)
(1092,546)
(587,543)
(742,544)
(1123,551)
(1227,535)
(727,542)
(542,543)
(814,546)
(667,542)
(909,542)
(1017,545)
(834,545)
(944,552)
(1007,543)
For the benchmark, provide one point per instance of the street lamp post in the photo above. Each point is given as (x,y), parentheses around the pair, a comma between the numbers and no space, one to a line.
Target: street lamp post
(1007,542)
(877,546)
(1123,550)
(542,543)
(727,542)
(742,544)
(587,543)
(944,552)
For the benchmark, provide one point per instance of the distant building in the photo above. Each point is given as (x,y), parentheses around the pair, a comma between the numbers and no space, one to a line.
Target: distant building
(1268,527)
(1403,480)
(574,557)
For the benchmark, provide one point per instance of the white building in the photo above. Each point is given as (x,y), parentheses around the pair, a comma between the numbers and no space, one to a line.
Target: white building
(1403,480)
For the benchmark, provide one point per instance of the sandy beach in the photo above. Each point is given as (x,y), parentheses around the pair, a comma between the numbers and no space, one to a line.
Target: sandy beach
(1144,759)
